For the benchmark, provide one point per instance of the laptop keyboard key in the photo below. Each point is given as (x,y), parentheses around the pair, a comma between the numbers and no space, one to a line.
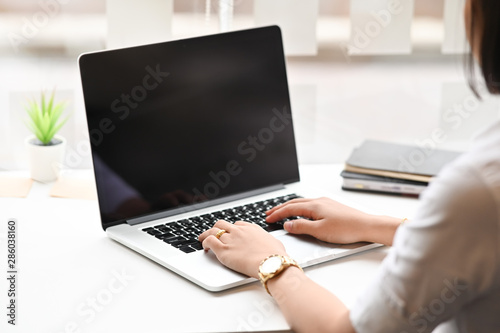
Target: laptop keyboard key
(197,246)
(187,249)
(154,232)
(183,234)
(171,240)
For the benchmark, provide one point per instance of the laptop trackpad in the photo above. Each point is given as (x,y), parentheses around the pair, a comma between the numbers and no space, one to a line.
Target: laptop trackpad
(307,250)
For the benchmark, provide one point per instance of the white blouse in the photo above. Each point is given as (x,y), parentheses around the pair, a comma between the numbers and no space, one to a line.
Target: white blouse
(443,272)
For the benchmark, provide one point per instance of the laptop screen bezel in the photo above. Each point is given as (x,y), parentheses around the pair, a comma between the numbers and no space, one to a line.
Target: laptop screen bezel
(160,214)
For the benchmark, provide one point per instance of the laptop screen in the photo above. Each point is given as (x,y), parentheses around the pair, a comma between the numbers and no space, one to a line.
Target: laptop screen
(183,122)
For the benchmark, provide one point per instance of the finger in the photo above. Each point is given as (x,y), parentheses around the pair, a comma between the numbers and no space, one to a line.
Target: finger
(301,227)
(212,243)
(296,209)
(221,224)
(206,233)
(247,225)
(270,211)
(242,223)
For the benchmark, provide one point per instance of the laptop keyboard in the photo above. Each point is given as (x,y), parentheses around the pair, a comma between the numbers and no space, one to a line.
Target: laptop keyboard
(183,234)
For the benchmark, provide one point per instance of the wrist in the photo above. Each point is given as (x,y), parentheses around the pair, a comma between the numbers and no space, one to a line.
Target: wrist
(381,229)
(288,281)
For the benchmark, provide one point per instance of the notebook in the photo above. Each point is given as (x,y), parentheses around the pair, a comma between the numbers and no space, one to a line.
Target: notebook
(187,132)
(409,162)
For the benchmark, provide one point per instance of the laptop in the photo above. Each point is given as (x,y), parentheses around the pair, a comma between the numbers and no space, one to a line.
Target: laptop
(187,132)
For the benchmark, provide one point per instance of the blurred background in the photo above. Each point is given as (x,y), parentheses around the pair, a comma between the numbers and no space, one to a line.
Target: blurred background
(381,69)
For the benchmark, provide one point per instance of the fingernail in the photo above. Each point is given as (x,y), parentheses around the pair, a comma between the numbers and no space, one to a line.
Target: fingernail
(288,226)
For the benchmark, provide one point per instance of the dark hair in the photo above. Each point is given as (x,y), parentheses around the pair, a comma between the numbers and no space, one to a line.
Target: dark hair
(485,24)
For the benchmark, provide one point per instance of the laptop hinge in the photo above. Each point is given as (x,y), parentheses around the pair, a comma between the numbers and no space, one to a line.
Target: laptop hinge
(186,209)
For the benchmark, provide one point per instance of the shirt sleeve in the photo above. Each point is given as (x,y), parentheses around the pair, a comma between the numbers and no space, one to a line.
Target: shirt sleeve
(440,261)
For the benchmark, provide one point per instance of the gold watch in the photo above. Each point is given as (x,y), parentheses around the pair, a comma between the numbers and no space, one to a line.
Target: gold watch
(272,266)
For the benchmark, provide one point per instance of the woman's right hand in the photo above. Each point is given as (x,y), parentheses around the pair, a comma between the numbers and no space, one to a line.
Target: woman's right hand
(333,222)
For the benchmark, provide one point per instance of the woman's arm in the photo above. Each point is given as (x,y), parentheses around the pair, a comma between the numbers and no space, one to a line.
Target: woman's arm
(307,306)
(334,222)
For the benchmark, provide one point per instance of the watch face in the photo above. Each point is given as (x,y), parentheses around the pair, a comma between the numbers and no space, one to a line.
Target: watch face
(271,265)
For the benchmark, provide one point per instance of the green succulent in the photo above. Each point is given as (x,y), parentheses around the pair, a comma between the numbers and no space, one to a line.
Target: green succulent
(45,118)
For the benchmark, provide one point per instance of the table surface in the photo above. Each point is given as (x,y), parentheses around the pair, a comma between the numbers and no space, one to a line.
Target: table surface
(73,278)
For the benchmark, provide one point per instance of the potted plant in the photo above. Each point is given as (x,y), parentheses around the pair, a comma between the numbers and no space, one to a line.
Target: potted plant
(45,148)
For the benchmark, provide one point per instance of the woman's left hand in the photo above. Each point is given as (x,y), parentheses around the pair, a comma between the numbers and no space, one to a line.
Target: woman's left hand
(242,247)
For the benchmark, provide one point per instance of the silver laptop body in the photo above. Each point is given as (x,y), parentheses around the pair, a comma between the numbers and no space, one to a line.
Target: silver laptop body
(182,132)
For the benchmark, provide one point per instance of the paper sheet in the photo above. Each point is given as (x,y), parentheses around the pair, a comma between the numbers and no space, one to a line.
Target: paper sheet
(17,187)
(74,188)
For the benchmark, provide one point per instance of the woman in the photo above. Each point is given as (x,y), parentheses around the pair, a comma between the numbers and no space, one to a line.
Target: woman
(444,267)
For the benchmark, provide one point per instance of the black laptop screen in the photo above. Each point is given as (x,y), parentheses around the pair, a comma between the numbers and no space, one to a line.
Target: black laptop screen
(188,121)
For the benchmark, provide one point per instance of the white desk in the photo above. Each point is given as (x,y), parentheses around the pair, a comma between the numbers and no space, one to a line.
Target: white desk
(66,264)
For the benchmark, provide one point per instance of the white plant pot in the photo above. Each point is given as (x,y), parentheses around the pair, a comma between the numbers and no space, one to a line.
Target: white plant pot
(45,161)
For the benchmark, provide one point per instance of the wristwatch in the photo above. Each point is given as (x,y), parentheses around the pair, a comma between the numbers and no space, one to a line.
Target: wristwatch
(273,266)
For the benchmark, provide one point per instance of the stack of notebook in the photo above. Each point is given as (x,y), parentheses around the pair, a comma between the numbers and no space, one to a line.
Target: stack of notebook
(384,167)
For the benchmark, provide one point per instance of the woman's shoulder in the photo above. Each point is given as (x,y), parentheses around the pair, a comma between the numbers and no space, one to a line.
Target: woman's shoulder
(463,201)
(457,225)
(466,193)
